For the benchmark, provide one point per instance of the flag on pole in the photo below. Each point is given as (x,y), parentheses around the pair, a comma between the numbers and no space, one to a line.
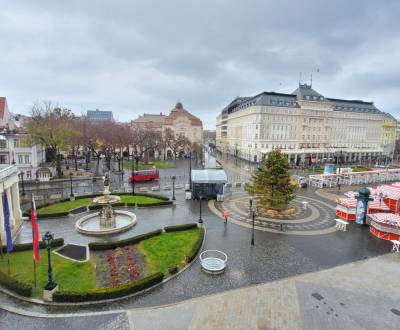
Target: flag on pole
(6,211)
(35,232)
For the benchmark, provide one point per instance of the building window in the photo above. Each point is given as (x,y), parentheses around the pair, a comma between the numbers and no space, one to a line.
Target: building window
(20,159)
(3,144)
(26,159)
(3,159)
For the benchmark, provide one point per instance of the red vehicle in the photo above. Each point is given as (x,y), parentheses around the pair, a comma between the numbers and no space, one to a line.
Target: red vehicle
(145,175)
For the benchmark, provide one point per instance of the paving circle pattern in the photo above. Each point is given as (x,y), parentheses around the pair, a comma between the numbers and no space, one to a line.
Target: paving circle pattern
(318,218)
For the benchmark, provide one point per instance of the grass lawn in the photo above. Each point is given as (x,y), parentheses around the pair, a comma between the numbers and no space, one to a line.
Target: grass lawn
(69,275)
(168,249)
(160,164)
(64,206)
(67,206)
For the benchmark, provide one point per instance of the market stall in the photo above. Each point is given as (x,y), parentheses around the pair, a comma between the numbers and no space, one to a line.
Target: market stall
(346,208)
(385,225)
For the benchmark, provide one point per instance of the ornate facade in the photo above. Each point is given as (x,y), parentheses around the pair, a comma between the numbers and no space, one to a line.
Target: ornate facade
(307,126)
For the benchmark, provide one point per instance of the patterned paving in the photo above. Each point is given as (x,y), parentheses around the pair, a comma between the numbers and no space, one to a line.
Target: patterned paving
(317,219)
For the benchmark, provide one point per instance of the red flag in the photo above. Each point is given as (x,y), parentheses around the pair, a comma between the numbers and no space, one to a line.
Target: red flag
(35,232)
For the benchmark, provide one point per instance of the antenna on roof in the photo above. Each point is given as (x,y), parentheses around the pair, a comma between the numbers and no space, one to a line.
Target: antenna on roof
(311,81)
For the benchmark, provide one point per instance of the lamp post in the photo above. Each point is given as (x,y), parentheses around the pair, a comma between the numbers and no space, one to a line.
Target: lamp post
(22,183)
(190,169)
(133,176)
(253,209)
(339,164)
(122,170)
(70,180)
(48,239)
(200,219)
(173,187)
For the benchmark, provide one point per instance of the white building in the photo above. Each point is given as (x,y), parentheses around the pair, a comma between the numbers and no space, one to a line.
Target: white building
(307,127)
(9,185)
(15,149)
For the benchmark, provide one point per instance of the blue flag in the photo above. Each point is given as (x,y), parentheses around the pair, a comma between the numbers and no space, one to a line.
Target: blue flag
(6,210)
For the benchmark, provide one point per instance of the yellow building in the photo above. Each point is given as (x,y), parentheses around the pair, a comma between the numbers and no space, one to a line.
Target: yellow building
(389,126)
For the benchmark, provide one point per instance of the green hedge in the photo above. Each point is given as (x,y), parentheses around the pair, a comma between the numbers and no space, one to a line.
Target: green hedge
(109,293)
(29,246)
(185,226)
(196,247)
(173,270)
(167,202)
(127,241)
(146,195)
(14,285)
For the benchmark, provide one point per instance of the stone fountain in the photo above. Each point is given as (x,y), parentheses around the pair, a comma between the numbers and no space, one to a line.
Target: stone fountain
(107,220)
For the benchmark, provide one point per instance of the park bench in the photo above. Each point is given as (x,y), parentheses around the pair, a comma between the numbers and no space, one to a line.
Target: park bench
(341,224)
(396,245)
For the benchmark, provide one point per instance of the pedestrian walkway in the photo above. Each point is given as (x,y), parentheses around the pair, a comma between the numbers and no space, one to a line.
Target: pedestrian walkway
(338,298)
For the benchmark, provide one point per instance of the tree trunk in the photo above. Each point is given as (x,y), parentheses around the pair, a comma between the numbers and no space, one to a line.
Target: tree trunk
(58,164)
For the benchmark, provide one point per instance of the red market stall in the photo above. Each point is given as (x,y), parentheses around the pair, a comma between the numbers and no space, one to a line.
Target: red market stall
(346,208)
(391,196)
(385,225)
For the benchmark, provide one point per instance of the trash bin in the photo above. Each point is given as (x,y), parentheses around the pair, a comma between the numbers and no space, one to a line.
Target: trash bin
(188,195)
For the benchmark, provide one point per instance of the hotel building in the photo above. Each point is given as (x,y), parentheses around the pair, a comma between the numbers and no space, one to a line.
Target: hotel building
(306,126)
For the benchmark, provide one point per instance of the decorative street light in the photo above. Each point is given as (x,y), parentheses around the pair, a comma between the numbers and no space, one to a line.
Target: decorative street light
(133,176)
(200,219)
(173,187)
(70,180)
(253,209)
(122,169)
(190,169)
(48,239)
(22,183)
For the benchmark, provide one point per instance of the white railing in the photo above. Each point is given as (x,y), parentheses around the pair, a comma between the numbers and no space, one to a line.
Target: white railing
(7,171)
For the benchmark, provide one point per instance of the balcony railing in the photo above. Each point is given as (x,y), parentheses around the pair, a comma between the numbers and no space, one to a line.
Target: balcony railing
(7,170)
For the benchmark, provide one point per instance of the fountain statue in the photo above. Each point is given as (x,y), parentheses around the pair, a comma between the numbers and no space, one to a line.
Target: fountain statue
(107,220)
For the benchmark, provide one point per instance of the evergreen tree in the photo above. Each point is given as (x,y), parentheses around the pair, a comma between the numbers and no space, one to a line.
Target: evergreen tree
(272,182)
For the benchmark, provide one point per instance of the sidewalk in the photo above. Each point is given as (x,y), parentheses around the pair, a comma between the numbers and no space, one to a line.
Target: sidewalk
(360,295)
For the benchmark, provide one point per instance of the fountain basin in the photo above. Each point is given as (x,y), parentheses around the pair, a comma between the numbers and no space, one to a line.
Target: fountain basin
(90,223)
(106,199)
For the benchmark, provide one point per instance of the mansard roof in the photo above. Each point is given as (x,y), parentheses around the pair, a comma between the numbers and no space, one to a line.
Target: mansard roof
(303,92)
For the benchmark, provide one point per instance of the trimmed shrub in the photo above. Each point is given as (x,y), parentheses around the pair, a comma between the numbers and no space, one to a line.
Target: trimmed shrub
(109,293)
(127,241)
(173,270)
(29,246)
(14,285)
(95,207)
(185,226)
(150,205)
(196,246)
(146,195)
(53,215)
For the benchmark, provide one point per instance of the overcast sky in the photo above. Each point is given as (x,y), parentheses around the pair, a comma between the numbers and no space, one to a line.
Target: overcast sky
(133,57)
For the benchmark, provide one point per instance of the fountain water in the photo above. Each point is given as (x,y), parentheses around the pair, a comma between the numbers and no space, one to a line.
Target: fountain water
(108,220)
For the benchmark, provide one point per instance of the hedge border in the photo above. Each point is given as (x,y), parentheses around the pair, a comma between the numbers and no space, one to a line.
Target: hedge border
(109,293)
(185,226)
(197,246)
(128,241)
(29,246)
(164,201)
(14,285)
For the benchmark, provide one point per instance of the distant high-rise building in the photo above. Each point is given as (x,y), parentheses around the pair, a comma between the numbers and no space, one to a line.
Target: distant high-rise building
(99,115)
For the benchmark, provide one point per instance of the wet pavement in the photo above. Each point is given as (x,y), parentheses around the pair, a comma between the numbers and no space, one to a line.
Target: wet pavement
(274,256)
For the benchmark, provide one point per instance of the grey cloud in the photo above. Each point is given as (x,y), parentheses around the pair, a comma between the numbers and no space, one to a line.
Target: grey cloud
(142,56)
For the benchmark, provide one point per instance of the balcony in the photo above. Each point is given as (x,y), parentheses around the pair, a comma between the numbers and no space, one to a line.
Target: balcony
(7,170)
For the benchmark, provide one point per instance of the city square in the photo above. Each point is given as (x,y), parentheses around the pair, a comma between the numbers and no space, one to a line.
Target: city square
(214,165)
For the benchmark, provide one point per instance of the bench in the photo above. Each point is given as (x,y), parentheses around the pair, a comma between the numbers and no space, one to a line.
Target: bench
(396,245)
(341,224)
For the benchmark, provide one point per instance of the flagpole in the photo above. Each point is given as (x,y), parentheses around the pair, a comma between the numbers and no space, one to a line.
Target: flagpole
(8,263)
(34,272)
(1,247)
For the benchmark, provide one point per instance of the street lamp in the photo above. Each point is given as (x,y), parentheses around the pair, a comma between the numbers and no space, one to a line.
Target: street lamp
(173,187)
(122,169)
(190,169)
(253,209)
(70,180)
(48,239)
(22,183)
(200,219)
(133,176)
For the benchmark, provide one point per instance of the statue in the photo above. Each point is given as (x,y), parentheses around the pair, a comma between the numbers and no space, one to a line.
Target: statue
(106,183)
